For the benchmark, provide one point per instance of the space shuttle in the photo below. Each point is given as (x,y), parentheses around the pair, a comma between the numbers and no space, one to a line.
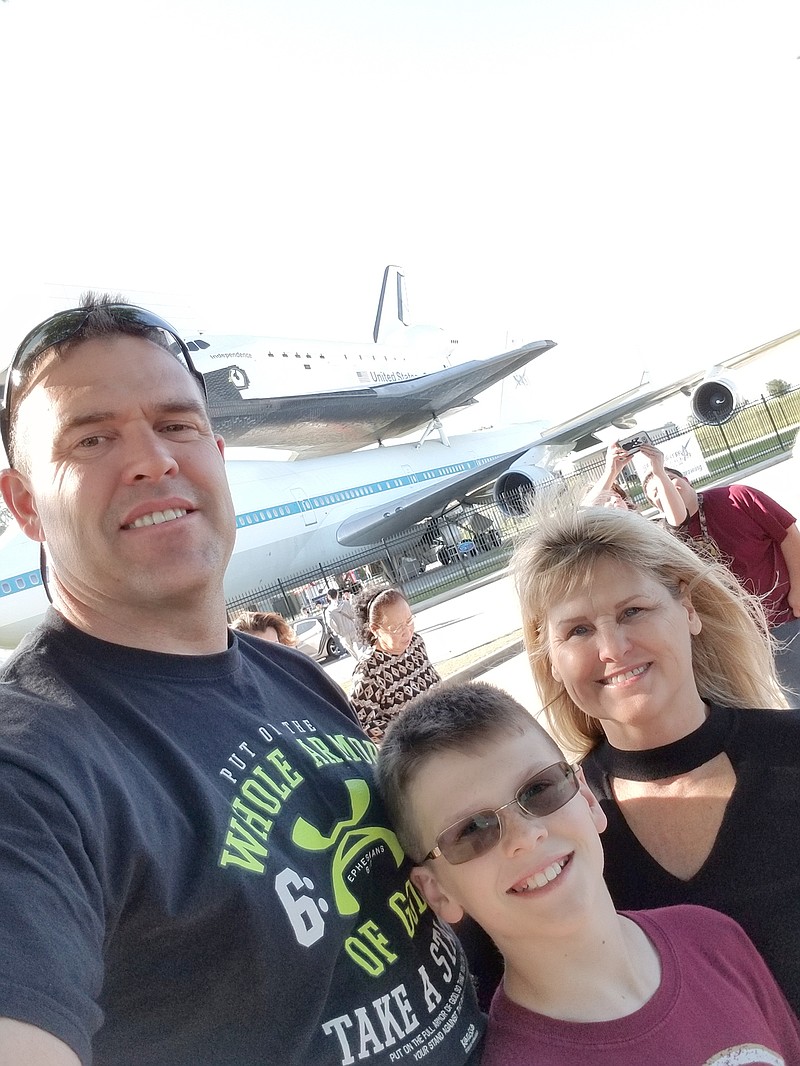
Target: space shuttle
(314,398)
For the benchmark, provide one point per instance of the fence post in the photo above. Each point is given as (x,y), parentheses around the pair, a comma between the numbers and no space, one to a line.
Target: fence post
(288,610)
(734,464)
(781,445)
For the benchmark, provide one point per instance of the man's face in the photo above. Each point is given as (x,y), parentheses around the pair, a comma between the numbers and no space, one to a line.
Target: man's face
(123,477)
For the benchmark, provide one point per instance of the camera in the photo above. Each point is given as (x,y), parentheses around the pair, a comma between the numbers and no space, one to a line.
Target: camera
(634,443)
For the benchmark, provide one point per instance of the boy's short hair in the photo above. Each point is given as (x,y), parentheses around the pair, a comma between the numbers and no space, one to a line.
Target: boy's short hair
(451,716)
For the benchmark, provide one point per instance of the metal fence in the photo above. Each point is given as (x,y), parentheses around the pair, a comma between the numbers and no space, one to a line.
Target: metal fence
(429,560)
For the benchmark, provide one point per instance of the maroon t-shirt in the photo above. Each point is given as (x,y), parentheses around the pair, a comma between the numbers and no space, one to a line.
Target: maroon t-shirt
(717,1003)
(748,527)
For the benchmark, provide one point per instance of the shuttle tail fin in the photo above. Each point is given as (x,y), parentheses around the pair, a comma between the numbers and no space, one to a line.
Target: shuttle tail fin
(393,313)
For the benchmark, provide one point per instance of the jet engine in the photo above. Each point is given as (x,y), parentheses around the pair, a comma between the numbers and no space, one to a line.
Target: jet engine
(715,399)
(519,481)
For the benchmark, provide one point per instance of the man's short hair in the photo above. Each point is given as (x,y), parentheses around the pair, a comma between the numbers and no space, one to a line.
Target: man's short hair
(107,315)
(333,594)
(454,716)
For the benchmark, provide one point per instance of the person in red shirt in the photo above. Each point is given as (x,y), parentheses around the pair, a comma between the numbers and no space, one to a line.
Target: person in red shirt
(756,537)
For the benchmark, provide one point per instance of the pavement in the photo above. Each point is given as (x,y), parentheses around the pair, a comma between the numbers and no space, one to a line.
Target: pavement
(477,632)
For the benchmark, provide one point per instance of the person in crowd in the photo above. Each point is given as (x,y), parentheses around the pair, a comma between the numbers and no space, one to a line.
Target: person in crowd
(341,618)
(195,865)
(607,491)
(654,664)
(503,828)
(269,625)
(397,666)
(756,537)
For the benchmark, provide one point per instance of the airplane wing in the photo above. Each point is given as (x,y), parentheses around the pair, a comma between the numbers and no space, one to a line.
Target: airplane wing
(328,423)
(370,526)
(620,409)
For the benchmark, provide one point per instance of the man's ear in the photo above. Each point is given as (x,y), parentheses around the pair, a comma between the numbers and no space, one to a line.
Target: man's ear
(597,812)
(440,902)
(20,501)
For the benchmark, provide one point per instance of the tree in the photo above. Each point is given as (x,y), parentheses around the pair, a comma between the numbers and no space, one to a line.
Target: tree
(777,387)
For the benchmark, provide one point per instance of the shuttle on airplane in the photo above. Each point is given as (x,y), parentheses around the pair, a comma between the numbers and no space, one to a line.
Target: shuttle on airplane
(322,397)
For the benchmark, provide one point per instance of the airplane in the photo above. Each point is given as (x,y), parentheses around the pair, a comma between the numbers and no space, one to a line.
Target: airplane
(290,516)
(316,398)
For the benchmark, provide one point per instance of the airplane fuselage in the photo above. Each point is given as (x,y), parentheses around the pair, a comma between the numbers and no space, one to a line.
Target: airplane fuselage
(287,514)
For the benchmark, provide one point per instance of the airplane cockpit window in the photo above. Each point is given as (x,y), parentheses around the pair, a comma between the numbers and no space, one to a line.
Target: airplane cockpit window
(197,345)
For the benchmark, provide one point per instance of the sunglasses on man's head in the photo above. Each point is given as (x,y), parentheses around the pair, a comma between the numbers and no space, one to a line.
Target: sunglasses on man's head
(544,793)
(63,325)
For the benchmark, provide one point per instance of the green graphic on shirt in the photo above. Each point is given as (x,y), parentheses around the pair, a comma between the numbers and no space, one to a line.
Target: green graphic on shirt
(349,841)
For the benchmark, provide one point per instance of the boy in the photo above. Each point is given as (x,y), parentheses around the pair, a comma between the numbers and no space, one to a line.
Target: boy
(502,828)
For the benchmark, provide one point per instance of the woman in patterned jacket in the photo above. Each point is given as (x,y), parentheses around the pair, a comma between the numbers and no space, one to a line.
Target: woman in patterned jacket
(397,667)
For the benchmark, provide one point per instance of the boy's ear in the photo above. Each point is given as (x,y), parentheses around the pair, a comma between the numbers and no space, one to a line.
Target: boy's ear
(443,905)
(597,812)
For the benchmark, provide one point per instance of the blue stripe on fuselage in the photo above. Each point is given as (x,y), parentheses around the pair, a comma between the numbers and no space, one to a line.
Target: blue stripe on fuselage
(33,579)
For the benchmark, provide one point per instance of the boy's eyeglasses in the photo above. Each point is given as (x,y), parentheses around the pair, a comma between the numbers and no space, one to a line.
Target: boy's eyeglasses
(398,629)
(542,794)
(65,324)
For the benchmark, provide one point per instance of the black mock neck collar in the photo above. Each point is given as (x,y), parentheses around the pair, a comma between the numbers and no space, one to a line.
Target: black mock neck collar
(670,760)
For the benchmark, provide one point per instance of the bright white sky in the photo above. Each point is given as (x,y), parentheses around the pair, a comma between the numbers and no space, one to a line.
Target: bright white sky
(619,175)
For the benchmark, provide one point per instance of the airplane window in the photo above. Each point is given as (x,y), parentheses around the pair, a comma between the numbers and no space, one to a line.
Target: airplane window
(270,355)
(202,344)
(6,587)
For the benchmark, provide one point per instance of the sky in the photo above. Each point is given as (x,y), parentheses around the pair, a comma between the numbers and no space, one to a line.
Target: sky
(618,175)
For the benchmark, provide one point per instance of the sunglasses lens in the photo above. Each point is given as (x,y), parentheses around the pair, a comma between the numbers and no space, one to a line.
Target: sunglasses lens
(55,330)
(549,790)
(468,839)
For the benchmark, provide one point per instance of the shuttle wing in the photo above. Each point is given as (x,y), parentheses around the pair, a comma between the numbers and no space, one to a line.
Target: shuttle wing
(327,423)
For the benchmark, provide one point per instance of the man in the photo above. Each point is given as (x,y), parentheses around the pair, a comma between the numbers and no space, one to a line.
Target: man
(341,619)
(194,865)
(756,537)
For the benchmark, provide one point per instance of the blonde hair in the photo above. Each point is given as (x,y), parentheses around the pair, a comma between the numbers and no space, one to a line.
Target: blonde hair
(732,655)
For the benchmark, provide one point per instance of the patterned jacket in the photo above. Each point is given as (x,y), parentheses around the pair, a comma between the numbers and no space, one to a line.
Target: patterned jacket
(382,683)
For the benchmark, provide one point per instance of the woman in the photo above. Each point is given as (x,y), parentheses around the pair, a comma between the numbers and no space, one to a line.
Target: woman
(397,667)
(269,625)
(649,660)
